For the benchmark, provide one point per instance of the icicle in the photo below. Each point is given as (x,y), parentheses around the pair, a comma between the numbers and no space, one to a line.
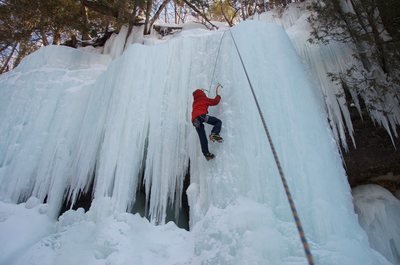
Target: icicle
(74,119)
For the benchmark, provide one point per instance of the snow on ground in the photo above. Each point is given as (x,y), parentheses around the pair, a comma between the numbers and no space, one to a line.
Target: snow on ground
(76,114)
(28,236)
(379,212)
(22,226)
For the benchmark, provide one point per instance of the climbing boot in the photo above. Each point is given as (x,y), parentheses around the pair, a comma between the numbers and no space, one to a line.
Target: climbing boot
(215,137)
(209,156)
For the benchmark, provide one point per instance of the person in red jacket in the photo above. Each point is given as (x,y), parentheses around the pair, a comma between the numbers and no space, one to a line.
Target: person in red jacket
(199,115)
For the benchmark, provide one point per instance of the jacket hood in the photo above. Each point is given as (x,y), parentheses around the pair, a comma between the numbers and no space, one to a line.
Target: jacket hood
(198,93)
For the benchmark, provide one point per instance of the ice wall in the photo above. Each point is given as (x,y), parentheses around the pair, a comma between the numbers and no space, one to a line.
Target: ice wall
(298,125)
(134,121)
(43,102)
(321,59)
(334,57)
(378,212)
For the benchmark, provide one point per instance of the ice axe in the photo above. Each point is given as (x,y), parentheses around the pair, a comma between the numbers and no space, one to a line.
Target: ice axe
(218,85)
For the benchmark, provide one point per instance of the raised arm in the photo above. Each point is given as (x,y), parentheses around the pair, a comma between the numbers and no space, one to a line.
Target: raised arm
(216,100)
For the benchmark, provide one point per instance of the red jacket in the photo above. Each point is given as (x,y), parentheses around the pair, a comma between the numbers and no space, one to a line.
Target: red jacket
(201,103)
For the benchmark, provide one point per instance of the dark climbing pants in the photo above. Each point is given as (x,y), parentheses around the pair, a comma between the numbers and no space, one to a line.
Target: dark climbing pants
(198,123)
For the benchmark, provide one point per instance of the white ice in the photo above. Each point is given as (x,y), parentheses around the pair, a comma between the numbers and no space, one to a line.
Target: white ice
(378,212)
(334,57)
(75,115)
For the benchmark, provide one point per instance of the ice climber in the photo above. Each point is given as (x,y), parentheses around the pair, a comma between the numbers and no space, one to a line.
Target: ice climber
(199,115)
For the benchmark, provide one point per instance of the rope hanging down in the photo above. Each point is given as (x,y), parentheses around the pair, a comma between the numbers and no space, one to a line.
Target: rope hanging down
(216,60)
(306,247)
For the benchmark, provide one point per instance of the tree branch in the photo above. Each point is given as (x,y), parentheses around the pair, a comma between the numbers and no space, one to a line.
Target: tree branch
(5,47)
(157,14)
(2,70)
(101,8)
(195,9)
(149,6)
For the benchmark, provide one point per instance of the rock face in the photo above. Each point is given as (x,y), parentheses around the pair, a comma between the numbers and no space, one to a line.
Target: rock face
(375,160)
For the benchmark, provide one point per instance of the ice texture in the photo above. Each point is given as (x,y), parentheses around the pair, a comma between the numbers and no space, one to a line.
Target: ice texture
(123,123)
(378,212)
(334,57)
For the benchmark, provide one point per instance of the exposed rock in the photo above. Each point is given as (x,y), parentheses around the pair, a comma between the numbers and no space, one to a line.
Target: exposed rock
(375,159)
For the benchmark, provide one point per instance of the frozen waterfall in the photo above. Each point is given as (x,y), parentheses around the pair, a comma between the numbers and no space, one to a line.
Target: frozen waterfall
(70,118)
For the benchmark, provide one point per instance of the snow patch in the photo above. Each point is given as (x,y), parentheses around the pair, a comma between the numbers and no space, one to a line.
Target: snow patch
(378,213)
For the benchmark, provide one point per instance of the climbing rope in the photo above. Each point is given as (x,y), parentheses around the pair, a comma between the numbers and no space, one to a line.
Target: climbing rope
(216,59)
(300,229)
